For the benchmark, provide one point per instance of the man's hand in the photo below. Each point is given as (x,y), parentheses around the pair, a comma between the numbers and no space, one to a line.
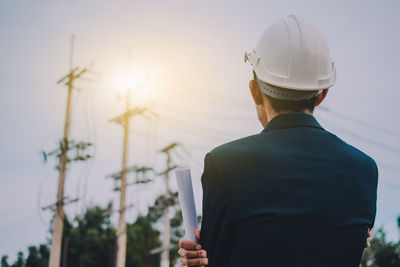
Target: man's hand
(191,253)
(367,245)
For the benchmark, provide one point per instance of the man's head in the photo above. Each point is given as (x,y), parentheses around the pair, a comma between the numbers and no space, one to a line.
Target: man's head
(292,68)
(268,106)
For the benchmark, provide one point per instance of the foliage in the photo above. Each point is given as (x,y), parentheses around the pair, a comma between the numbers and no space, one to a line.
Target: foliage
(4,261)
(141,238)
(155,214)
(89,240)
(381,253)
(18,263)
(176,234)
(37,257)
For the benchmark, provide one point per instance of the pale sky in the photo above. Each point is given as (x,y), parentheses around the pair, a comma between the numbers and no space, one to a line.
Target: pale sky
(192,52)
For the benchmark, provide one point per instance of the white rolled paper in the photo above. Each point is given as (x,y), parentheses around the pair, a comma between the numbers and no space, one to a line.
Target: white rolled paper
(186,200)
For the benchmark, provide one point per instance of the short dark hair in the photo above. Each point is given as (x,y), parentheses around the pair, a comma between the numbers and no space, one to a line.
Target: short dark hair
(280,105)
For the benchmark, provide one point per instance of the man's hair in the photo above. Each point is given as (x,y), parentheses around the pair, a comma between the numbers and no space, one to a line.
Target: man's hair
(280,105)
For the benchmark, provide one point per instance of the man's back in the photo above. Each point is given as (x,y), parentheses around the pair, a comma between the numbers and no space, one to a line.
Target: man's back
(293,195)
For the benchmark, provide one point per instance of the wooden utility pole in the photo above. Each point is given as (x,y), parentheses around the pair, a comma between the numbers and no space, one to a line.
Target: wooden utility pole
(124,121)
(57,227)
(167,223)
(121,231)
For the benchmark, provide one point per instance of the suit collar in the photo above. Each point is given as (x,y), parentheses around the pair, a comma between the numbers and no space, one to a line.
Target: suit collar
(292,119)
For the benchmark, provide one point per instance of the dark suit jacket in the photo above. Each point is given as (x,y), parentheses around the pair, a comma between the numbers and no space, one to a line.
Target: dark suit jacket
(293,195)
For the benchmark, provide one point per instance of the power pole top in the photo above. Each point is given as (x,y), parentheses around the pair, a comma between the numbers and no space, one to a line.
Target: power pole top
(129,113)
(169,147)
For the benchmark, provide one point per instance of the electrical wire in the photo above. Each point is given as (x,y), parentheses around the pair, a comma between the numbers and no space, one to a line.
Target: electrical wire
(361,122)
(194,132)
(180,110)
(88,130)
(192,145)
(48,175)
(200,128)
(366,139)
(179,84)
(218,97)
(205,98)
(39,206)
(326,109)
(94,155)
(86,127)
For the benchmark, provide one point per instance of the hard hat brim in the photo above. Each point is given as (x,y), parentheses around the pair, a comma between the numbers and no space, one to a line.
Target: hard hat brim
(286,94)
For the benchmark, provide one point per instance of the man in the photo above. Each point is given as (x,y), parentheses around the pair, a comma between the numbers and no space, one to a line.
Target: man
(294,194)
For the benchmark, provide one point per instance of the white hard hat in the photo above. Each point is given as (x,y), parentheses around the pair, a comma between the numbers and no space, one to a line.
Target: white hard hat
(292,54)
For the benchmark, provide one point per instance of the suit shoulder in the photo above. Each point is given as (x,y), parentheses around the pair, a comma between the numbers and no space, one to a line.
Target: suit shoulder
(234,146)
(222,158)
(359,156)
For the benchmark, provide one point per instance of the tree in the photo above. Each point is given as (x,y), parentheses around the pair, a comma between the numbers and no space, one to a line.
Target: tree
(141,239)
(177,234)
(4,261)
(37,257)
(156,213)
(381,253)
(89,239)
(20,260)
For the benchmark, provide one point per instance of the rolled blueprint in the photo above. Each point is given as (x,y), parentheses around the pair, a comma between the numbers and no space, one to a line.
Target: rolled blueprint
(186,200)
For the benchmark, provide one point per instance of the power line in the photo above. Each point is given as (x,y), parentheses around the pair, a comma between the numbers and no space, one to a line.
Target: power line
(179,110)
(194,132)
(361,122)
(93,133)
(205,98)
(195,127)
(39,209)
(366,139)
(87,130)
(188,144)
(211,96)
(201,91)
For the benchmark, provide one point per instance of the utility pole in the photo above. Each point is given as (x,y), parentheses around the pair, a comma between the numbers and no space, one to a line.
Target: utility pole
(124,121)
(167,223)
(121,231)
(57,227)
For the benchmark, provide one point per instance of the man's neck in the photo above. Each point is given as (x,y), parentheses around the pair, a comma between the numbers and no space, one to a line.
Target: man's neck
(272,113)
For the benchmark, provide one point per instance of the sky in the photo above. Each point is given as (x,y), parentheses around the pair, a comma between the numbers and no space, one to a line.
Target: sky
(197,82)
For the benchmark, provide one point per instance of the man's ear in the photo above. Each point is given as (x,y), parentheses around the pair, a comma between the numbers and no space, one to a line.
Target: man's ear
(256,92)
(321,97)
